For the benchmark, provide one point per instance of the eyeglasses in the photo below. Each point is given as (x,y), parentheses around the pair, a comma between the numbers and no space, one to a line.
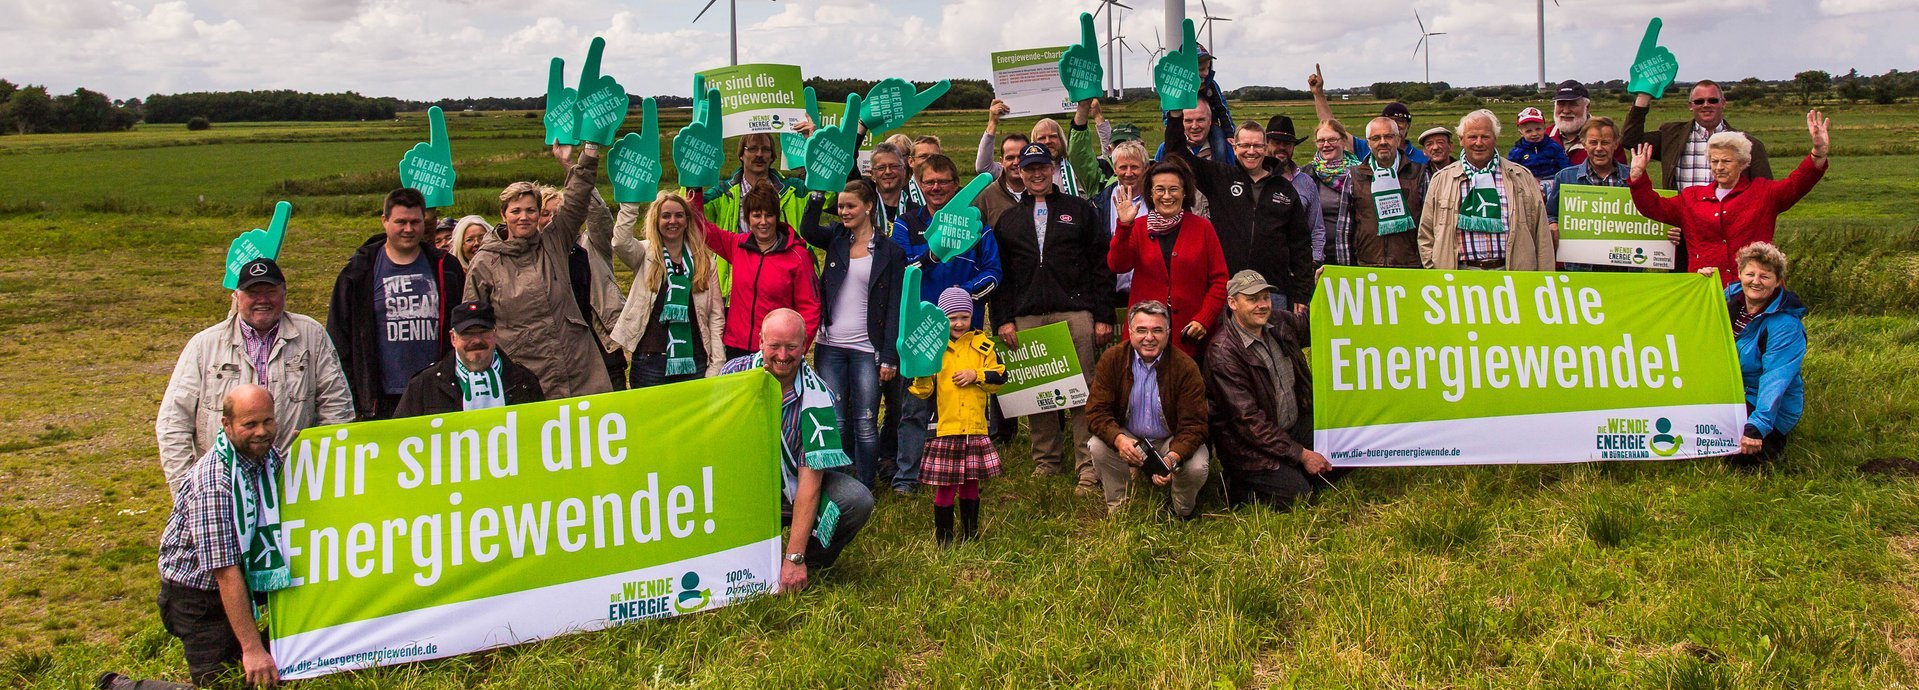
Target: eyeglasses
(1334,140)
(1703,101)
(889,168)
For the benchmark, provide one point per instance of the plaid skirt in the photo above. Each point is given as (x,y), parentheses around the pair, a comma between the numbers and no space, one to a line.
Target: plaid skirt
(955,460)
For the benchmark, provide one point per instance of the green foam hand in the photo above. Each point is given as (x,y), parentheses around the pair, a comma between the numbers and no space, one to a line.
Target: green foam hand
(923,330)
(793,146)
(603,102)
(893,101)
(696,149)
(257,244)
(634,160)
(1654,67)
(1176,77)
(831,152)
(562,106)
(429,166)
(1079,69)
(956,228)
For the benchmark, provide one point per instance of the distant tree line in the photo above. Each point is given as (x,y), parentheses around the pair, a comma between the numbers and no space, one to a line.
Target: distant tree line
(30,109)
(267,106)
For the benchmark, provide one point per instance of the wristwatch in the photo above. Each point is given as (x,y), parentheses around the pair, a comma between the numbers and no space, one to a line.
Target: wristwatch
(796,558)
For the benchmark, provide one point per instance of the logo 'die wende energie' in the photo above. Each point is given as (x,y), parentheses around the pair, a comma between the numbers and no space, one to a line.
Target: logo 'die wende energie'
(1626,439)
(657,598)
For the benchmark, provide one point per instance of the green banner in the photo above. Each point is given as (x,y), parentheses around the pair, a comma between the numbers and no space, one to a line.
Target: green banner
(758,99)
(1466,367)
(1600,226)
(1042,374)
(433,536)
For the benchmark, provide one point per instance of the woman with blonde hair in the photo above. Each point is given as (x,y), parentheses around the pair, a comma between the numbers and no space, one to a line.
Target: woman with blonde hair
(674,316)
(468,234)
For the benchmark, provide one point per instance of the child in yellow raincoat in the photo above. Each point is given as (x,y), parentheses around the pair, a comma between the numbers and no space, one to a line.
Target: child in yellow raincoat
(960,455)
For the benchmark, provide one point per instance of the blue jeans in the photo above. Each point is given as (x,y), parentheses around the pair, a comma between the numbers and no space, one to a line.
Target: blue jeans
(854,377)
(915,412)
(856,505)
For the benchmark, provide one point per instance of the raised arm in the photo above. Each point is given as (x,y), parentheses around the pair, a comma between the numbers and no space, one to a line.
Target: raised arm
(629,248)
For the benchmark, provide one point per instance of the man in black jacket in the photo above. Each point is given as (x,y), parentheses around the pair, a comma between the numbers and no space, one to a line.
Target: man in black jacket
(1262,223)
(389,313)
(1053,260)
(476,375)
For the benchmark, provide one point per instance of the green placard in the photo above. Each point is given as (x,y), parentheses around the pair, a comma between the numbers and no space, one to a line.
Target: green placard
(793,146)
(832,152)
(758,99)
(633,164)
(1176,76)
(1043,373)
(257,244)
(1079,68)
(1653,66)
(1600,226)
(428,167)
(891,102)
(923,329)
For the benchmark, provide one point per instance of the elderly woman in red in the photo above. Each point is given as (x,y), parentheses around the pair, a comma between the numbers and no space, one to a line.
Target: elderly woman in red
(1714,221)
(1173,253)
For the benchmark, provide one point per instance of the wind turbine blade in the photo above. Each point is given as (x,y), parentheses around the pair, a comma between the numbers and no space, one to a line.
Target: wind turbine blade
(1126,6)
(1420,44)
(709,5)
(1203,9)
(1437,33)
(1422,22)
(1223,19)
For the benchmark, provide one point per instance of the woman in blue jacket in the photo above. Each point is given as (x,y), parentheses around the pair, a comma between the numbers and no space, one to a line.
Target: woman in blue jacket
(1770,334)
(859,316)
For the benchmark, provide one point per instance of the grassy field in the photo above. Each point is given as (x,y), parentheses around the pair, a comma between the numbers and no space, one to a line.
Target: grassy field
(1654,575)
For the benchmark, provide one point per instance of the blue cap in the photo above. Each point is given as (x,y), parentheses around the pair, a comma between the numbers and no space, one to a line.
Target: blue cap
(1035,154)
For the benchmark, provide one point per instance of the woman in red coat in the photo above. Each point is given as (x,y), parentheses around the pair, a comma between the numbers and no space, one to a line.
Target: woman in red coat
(1715,220)
(1173,253)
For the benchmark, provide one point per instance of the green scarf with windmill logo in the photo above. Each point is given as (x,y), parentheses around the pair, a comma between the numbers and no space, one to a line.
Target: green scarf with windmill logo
(256,517)
(1479,209)
(677,313)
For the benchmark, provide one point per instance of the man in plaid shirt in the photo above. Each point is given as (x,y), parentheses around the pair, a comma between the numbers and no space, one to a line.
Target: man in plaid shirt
(204,599)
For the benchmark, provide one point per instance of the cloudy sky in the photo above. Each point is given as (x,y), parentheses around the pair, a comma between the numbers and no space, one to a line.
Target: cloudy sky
(429,49)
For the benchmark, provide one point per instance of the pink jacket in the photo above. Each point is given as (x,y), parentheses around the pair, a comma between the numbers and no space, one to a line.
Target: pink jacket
(764,281)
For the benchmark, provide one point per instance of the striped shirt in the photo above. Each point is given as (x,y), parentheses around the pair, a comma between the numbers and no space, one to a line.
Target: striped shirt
(259,347)
(1486,246)
(1694,170)
(201,535)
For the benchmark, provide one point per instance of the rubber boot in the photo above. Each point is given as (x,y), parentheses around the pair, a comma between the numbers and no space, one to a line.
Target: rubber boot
(943,525)
(969,519)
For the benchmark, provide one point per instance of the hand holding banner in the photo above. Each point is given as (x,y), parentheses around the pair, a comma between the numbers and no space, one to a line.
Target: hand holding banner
(1654,67)
(831,153)
(923,330)
(257,244)
(603,102)
(429,166)
(634,160)
(893,101)
(1176,77)
(562,107)
(696,149)
(1079,69)
(956,228)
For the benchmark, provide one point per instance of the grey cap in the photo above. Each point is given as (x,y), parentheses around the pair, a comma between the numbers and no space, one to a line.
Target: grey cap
(1248,282)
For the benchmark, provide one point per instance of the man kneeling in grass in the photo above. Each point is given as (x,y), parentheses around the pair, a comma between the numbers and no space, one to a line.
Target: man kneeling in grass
(1262,399)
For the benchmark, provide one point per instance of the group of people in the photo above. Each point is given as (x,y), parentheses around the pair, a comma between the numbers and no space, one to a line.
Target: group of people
(1201,256)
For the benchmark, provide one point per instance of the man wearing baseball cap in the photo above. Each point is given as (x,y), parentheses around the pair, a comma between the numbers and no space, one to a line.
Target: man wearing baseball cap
(1281,141)
(1052,254)
(1571,109)
(259,343)
(1261,393)
(475,375)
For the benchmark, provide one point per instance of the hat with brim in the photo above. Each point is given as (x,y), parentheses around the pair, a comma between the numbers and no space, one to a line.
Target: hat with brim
(261,271)
(1035,154)
(1436,131)
(1248,282)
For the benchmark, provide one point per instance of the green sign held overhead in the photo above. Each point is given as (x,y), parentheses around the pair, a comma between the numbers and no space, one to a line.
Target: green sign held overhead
(956,227)
(562,106)
(1079,68)
(1176,77)
(758,98)
(696,149)
(634,161)
(923,329)
(603,102)
(257,244)
(429,166)
(892,102)
(832,152)
(1653,67)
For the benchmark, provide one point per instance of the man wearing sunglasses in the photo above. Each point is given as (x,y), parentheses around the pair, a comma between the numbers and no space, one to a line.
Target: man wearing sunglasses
(1680,147)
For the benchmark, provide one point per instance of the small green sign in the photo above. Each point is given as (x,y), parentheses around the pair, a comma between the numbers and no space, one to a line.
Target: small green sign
(1176,77)
(696,149)
(923,329)
(893,101)
(1043,373)
(956,227)
(759,98)
(832,152)
(603,102)
(1600,226)
(562,106)
(1079,68)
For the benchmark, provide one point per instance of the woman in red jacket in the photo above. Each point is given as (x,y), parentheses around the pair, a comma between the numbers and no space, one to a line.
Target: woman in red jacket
(1715,220)
(1173,253)
(771,269)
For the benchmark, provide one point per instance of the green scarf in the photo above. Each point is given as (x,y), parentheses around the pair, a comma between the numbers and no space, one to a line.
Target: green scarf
(819,441)
(677,313)
(1479,211)
(1389,199)
(480,390)
(256,517)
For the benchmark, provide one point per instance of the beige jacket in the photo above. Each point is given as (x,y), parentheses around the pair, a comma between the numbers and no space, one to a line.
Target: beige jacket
(605,289)
(536,319)
(1529,245)
(709,306)
(303,373)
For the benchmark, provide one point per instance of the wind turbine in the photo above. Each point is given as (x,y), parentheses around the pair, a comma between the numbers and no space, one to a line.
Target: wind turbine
(733,18)
(1112,56)
(1120,64)
(1542,41)
(1423,35)
(1207,24)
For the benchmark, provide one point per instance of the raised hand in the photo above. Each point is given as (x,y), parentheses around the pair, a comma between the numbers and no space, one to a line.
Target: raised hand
(1176,77)
(429,166)
(603,102)
(1316,82)
(793,144)
(1641,155)
(562,106)
(893,101)
(956,227)
(696,149)
(634,160)
(832,152)
(1124,211)
(1819,126)
(1079,68)
(923,330)
(1654,67)
(257,244)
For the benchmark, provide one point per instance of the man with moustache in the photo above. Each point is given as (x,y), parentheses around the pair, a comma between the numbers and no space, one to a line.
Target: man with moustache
(475,375)
(390,306)
(1571,109)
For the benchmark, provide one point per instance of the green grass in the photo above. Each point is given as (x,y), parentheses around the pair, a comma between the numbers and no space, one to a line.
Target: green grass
(1656,575)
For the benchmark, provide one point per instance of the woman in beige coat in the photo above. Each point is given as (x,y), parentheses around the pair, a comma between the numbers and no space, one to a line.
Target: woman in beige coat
(524,277)
(670,251)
